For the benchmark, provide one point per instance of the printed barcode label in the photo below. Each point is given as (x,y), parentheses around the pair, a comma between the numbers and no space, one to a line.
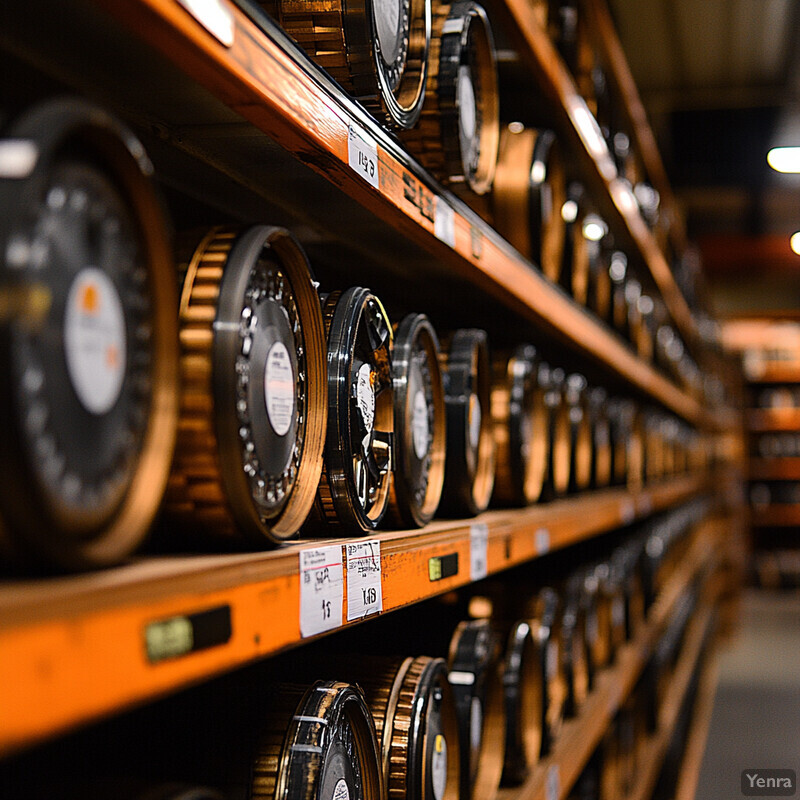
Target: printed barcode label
(444,223)
(321,589)
(478,547)
(362,154)
(364,595)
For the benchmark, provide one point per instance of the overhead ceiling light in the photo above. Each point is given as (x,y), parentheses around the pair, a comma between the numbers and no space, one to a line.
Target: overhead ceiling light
(784,159)
(795,242)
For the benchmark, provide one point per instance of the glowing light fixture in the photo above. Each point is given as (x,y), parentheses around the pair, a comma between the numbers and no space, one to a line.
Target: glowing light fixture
(784,159)
(795,242)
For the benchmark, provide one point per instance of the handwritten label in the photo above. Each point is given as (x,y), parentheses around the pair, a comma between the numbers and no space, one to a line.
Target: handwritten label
(362,154)
(478,547)
(444,226)
(321,589)
(364,594)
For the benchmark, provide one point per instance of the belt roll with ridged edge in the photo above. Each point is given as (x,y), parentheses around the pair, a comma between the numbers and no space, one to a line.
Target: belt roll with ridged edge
(414,713)
(88,344)
(580,424)
(545,622)
(601,438)
(528,195)
(626,561)
(574,654)
(559,436)
(469,469)
(520,420)
(458,134)
(620,417)
(474,675)
(419,421)
(377,50)
(356,480)
(318,743)
(253,407)
(598,298)
(523,686)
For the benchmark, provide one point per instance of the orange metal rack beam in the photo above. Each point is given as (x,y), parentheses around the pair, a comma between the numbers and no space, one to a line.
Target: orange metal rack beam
(75,648)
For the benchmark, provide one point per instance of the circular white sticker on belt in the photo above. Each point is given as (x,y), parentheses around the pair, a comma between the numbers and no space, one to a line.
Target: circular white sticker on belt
(94,340)
(475,725)
(419,424)
(341,791)
(474,421)
(365,396)
(439,766)
(279,388)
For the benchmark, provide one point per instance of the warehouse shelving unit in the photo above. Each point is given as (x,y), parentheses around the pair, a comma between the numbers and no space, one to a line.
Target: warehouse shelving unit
(249,119)
(770,352)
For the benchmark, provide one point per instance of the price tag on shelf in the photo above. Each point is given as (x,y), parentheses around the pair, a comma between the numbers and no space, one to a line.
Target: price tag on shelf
(444,223)
(364,593)
(542,539)
(321,589)
(553,788)
(362,154)
(478,547)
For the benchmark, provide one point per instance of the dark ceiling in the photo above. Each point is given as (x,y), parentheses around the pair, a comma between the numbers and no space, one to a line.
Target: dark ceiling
(720,80)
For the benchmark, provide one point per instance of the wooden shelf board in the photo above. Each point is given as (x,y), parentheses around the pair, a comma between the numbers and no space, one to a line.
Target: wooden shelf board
(701,724)
(777,515)
(555,775)
(766,469)
(788,372)
(765,420)
(74,648)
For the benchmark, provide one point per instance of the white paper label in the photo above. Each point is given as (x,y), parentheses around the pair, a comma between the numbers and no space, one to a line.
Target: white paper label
(321,589)
(542,541)
(341,791)
(214,16)
(364,593)
(553,790)
(420,430)
(279,388)
(444,223)
(627,511)
(95,340)
(478,546)
(362,154)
